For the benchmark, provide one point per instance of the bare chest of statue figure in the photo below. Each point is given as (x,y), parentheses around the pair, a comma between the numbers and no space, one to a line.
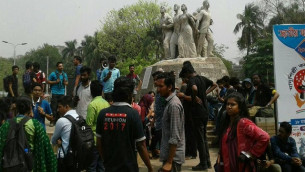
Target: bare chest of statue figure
(205,20)
(165,20)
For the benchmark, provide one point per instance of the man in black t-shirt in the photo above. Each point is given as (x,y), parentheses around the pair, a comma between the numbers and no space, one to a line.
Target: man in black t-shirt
(195,97)
(264,96)
(13,83)
(119,131)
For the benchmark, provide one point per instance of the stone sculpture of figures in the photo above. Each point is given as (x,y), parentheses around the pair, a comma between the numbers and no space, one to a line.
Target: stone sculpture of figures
(167,24)
(186,44)
(175,35)
(203,23)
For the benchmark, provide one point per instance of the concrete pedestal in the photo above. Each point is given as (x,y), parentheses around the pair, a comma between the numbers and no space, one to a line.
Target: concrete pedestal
(210,67)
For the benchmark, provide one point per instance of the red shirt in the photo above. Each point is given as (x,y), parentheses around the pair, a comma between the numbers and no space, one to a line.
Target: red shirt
(40,77)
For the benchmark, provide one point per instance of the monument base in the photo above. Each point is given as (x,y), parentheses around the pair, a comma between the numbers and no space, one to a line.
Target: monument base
(210,67)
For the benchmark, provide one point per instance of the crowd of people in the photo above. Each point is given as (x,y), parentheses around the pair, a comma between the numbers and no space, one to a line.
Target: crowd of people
(111,129)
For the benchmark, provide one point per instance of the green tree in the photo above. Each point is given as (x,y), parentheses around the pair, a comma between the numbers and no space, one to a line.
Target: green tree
(132,31)
(250,25)
(5,70)
(91,52)
(40,55)
(68,53)
(261,61)
(71,49)
(219,51)
(139,62)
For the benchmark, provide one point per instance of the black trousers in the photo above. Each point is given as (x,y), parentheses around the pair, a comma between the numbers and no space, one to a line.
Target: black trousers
(155,139)
(289,168)
(190,141)
(54,99)
(199,130)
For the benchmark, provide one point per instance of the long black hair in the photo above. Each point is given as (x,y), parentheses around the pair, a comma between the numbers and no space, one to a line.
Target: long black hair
(243,113)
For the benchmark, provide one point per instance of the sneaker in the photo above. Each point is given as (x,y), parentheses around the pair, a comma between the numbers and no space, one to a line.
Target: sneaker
(199,167)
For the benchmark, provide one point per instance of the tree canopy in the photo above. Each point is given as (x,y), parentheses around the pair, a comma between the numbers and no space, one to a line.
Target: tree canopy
(259,58)
(40,55)
(250,25)
(131,31)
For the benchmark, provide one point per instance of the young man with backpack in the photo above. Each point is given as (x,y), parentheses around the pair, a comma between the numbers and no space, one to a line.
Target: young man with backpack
(39,76)
(119,130)
(11,83)
(24,145)
(58,81)
(74,138)
(28,78)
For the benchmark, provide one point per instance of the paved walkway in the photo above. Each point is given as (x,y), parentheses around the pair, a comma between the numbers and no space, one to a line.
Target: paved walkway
(186,167)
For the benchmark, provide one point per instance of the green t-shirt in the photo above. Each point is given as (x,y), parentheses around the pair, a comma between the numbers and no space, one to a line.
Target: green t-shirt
(94,108)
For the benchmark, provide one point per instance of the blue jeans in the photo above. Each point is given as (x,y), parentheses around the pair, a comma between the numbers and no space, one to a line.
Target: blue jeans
(211,109)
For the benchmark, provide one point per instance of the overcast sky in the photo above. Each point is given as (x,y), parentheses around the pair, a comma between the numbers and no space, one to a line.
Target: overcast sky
(55,21)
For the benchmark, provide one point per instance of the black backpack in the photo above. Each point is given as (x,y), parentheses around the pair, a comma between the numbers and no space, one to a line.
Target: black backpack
(81,144)
(6,83)
(17,156)
(27,80)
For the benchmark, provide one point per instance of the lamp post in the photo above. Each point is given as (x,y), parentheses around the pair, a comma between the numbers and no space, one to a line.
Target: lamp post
(15,45)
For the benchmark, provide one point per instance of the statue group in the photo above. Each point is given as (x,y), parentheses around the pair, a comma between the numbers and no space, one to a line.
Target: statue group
(185,35)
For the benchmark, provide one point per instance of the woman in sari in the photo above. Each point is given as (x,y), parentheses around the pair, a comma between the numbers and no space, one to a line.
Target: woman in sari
(43,155)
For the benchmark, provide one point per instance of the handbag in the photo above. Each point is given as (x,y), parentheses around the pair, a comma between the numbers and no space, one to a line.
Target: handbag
(218,167)
(265,112)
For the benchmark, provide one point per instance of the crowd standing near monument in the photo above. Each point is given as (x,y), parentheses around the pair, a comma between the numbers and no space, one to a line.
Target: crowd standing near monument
(100,126)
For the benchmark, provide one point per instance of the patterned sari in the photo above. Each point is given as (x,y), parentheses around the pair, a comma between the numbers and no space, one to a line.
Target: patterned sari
(44,157)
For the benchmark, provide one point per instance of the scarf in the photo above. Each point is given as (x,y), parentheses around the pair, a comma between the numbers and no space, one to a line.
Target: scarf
(44,158)
(146,102)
